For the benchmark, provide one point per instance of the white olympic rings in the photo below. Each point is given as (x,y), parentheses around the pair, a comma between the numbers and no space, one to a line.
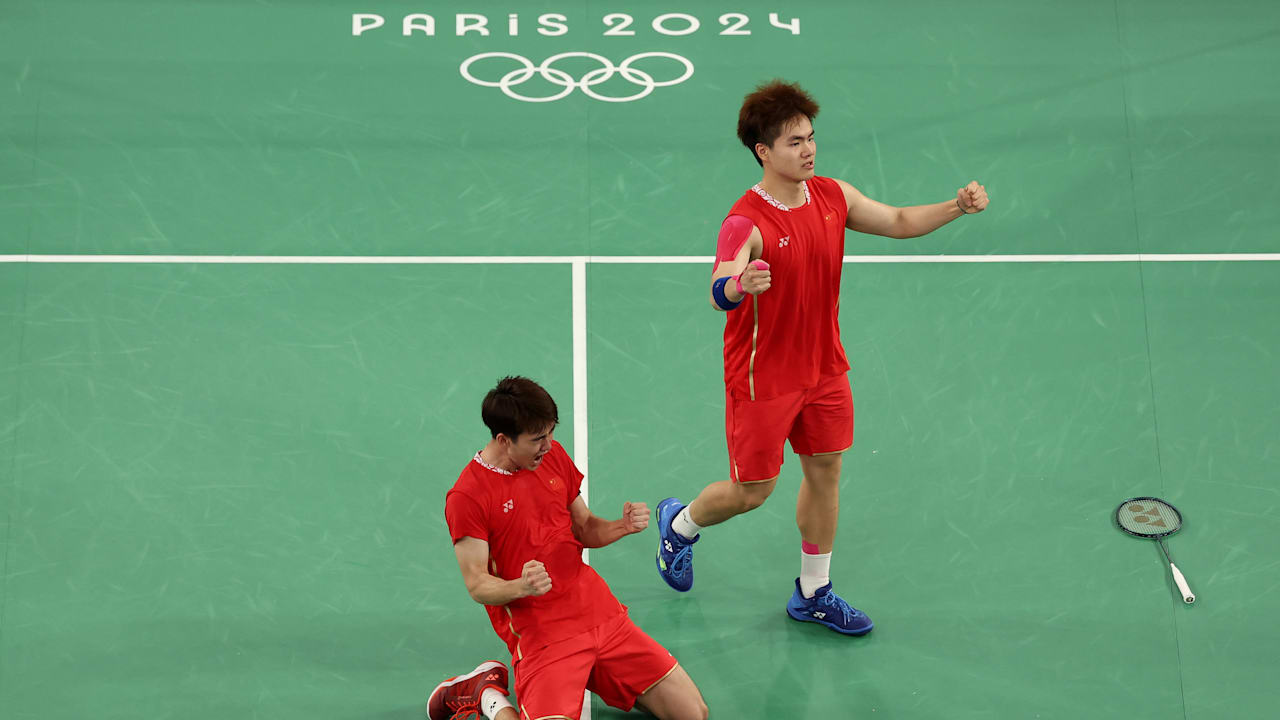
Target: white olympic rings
(559,77)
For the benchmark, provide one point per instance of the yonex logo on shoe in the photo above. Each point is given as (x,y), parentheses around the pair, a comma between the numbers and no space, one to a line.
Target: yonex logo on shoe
(783,242)
(819,615)
(507,506)
(667,544)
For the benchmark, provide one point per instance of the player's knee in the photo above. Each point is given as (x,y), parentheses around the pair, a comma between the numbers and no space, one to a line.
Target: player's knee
(750,502)
(753,495)
(822,467)
(696,710)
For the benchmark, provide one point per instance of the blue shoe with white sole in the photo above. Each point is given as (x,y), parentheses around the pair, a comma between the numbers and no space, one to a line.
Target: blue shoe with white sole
(675,554)
(828,608)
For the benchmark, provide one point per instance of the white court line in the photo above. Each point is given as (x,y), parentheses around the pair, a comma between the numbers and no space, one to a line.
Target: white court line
(580,455)
(609,259)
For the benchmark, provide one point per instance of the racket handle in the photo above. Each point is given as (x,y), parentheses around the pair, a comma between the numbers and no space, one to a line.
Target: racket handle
(760,264)
(1185,589)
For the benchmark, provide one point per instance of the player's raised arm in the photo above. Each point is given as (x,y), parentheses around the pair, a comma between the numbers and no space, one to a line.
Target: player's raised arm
(876,218)
(594,532)
(737,272)
(486,589)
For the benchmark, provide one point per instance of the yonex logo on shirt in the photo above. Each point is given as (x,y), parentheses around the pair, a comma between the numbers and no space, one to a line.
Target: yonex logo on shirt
(783,242)
(507,506)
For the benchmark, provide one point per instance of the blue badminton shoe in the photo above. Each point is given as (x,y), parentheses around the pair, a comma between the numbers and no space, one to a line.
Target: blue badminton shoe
(828,608)
(675,554)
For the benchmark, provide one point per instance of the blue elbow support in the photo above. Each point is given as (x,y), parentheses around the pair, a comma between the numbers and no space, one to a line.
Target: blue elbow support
(717,294)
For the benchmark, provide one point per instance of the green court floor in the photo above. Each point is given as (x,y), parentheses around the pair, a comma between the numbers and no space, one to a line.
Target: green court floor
(221,485)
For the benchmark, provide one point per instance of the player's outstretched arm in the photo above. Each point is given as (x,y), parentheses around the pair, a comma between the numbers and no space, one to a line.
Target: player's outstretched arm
(738,273)
(876,218)
(486,589)
(594,532)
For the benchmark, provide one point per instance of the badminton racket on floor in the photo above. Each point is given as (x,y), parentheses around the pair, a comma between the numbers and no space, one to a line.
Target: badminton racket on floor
(1154,519)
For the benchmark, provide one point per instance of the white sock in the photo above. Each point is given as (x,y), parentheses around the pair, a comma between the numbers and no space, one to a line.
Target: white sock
(493,702)
(684,525)
(815,571)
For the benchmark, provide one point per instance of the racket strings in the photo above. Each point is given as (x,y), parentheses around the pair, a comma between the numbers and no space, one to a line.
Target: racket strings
(1147,517)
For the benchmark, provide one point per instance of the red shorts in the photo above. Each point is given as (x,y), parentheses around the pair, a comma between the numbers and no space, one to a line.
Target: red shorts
(616,661)
(817,421)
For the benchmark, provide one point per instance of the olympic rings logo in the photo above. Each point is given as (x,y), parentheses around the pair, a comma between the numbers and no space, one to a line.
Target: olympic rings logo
(607,70)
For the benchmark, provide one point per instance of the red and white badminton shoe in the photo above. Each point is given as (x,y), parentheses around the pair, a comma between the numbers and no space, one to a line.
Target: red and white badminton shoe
(459,697)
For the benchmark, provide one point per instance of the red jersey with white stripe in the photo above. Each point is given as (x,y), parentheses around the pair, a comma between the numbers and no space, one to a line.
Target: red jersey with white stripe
(525,516)
(788,337)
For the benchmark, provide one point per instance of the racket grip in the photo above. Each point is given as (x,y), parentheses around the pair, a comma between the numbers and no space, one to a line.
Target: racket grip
(1185,589)
(760,264)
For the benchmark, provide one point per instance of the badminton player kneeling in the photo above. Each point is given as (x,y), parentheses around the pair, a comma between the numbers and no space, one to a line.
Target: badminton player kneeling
(519,525)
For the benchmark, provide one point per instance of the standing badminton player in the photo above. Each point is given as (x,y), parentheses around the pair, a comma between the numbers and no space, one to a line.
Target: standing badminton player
(777,276)
(519,524)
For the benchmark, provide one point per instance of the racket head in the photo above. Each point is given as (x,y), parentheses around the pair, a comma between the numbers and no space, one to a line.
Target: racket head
(1148,517)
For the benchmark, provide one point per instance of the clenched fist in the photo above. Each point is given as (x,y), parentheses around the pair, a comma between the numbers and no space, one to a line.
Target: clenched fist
(755,278)
(635,517)
(972,198)
(534,579)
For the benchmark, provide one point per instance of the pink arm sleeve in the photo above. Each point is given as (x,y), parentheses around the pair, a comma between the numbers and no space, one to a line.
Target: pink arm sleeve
(733,235)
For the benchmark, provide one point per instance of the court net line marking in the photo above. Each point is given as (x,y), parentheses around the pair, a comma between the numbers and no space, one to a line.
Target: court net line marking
(611,259)
(580,453)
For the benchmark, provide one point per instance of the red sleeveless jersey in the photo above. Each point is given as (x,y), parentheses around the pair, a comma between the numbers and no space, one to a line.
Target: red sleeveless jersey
(525,516)
(788,337)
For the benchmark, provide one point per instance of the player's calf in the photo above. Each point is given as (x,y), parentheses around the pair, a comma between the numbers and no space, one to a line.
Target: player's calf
(726,499)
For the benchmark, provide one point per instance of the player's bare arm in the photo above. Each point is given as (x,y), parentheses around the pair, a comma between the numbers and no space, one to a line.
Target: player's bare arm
(593,531)
(876,218)
(486,589)
(754,280)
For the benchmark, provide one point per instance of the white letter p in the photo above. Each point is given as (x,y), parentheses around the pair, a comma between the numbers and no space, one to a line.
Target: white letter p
(358,24)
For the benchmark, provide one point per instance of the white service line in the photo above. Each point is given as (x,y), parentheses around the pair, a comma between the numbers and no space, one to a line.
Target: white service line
(580,456)
(298,259)
(580,452)
(609,259)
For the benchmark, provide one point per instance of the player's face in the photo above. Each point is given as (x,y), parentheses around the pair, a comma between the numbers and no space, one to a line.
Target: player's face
(793,153)
(527,450)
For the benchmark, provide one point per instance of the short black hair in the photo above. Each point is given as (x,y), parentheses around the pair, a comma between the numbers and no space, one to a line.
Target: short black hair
(769,108)
(518,405)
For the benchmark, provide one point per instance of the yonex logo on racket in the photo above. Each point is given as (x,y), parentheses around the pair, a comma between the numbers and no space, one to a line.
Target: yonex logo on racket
(1147,516)
(525,70)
